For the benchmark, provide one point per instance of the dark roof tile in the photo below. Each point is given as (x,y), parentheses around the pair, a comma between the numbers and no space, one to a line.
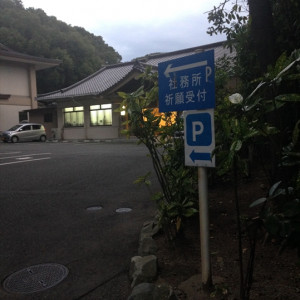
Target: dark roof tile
(96,84)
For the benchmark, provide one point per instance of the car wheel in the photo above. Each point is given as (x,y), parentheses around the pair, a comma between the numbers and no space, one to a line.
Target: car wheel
(14,139)
(43,138)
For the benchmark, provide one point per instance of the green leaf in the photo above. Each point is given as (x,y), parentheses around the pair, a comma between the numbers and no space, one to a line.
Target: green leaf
(274,188)
(251,105)
(143,179)
(190,212)
(256,89)
(122,95)
(286,69)
(288,98)
(252,132)
(258,202)
(271,105)
(296,133)
(236,146)
(187,203)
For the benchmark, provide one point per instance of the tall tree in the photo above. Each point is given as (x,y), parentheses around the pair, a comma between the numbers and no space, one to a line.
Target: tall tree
(262,32)
(32,32)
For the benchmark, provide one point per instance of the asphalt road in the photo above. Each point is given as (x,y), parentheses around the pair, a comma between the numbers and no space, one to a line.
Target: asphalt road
(46,190)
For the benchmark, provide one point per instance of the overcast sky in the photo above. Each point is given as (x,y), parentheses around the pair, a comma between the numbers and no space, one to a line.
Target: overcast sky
(135,28)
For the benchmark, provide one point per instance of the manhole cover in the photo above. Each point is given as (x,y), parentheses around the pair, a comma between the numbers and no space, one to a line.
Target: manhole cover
(35,278)
(123,210)
(94,208)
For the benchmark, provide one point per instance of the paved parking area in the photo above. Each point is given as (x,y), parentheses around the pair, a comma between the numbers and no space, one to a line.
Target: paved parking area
(46,192)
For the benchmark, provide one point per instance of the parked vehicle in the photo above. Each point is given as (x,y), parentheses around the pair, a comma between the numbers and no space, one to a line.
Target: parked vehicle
(24,132)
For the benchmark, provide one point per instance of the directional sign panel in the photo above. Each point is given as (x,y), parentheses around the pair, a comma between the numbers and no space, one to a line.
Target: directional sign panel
(199,138)
(187,83)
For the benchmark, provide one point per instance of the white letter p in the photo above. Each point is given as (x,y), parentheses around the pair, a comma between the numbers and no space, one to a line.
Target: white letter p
(197,129)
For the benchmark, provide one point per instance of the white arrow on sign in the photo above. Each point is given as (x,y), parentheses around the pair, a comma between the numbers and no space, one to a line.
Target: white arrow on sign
(169,68)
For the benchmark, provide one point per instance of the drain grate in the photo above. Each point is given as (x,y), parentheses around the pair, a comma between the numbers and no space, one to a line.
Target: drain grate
(123,210)
(94,208)
(35,278)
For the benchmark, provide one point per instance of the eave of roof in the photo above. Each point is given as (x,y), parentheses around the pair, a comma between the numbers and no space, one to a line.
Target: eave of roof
(40,63)
(101,82)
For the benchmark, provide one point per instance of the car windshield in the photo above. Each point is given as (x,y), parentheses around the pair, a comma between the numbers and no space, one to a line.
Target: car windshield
(14,128)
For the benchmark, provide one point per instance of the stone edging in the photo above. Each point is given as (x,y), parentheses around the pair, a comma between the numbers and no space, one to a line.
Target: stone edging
(143,268)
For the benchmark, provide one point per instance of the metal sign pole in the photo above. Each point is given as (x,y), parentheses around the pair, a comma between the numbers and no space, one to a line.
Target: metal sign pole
(204,230)
(198,95)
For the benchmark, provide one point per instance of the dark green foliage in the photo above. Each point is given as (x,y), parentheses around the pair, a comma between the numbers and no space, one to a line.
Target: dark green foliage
(281,215)
(262,130)
(32,32)
(259,30)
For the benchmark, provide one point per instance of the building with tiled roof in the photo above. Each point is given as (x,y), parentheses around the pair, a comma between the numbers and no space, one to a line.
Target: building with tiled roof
(109,78)
(18,84)
(85,110)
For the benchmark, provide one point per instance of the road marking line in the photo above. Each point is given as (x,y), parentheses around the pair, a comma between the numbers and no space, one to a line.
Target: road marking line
(26,155)
(5,153)
(24,161)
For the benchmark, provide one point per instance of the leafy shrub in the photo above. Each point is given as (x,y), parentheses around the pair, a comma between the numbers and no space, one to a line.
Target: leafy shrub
(178,198)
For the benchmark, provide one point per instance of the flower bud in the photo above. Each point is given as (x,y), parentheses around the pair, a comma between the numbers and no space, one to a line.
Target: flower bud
(236,98)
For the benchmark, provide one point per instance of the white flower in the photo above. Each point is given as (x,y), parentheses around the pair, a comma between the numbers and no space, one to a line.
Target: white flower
(236,98)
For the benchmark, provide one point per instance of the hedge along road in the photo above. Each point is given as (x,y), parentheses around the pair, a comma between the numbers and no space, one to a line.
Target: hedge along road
(58,205)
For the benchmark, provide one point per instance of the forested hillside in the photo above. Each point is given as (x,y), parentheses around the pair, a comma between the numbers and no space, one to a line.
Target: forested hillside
(32,32)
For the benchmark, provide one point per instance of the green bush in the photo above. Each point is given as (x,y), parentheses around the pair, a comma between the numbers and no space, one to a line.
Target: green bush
(178,197)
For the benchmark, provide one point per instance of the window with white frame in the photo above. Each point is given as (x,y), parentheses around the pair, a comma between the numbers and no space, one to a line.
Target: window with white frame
(101,115)
(74,116)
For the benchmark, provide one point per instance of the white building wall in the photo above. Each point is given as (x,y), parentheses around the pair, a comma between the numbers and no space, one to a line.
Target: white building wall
(103,132)
(76,133)
(14,80)
(9,115)
(18,81)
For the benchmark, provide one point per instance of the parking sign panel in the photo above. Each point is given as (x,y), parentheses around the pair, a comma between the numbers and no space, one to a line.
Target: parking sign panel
(200,130)
(199,138)
(187,83)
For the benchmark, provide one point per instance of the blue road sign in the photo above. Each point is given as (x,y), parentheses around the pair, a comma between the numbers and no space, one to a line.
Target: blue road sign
(199,138)
(187,83)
